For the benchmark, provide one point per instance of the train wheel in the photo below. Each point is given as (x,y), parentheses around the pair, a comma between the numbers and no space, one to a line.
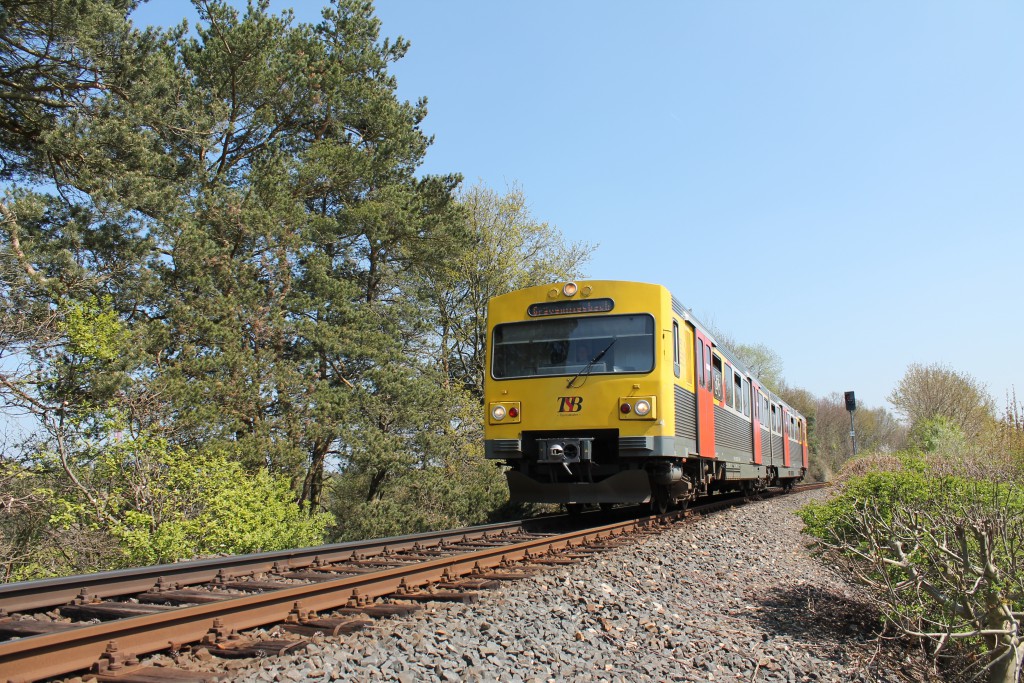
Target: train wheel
(659,500)
(574,509)
(683,505)
(607,506)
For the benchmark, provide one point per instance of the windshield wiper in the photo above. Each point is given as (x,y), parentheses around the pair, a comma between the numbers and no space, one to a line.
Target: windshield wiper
(588,366)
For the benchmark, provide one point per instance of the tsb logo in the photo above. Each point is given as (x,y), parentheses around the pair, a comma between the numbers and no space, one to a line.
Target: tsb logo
(570,404)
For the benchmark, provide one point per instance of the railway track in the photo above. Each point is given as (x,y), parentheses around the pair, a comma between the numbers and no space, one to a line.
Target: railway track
(103,622)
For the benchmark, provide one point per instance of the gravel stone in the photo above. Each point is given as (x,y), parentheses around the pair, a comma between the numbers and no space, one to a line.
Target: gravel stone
(735,596)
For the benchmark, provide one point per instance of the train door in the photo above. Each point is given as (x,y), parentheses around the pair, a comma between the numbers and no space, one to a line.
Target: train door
(785,437)
(803,441)
(755,420)
(705,402)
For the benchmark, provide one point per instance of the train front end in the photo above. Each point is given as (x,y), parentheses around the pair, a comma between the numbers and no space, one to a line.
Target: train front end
(578,396)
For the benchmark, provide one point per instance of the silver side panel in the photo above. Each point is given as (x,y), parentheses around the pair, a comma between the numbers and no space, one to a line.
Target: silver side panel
(686,414)
(654,447)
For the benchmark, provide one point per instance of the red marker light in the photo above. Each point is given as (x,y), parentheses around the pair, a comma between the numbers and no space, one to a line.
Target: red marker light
(625,408)
(513,412)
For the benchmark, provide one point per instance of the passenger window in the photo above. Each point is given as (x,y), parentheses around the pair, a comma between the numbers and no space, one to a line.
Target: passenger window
(746,397)
(727,387)
(738,393)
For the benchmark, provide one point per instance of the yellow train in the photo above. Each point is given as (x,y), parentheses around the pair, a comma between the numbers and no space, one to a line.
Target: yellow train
(607,392)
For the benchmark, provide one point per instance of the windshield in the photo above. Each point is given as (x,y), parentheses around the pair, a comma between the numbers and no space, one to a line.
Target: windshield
(565,346)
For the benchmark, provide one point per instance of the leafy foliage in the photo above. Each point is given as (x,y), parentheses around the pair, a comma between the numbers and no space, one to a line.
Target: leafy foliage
(56,57)
(942,552)
(215,247)
(506,248)
(927,392)
(114,497)
(162,504)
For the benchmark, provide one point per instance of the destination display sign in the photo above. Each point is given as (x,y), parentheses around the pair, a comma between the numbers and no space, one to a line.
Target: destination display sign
(570,307)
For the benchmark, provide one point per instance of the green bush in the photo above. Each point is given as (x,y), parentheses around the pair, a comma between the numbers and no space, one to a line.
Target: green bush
(942,552)
(164,504)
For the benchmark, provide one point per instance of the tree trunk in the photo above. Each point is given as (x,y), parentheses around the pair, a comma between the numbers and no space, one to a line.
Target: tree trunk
(313,484)
(1009,663)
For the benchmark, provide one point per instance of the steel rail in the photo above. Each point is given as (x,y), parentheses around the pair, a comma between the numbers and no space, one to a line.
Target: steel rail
(46,593)
(44,656)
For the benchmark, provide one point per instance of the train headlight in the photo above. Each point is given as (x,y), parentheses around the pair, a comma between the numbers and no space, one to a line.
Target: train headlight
(504,412)
(569,289)
(638,408)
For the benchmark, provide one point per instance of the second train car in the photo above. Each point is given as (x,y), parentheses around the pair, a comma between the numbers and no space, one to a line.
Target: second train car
(607,392)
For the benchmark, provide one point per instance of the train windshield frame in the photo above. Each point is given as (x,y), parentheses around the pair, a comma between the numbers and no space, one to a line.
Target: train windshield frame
(555,347)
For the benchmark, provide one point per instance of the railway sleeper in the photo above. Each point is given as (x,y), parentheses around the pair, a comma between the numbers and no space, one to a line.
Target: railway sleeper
(223,641)
(466,598)
(381,563)
(379,610)
(346,569)
(502,575)
(309,576)
(256,585)
(21,628)
(553,560)
(469,584)
(106,611)
(185,596)
(242,649)
(117,666)
(329,626)
(156,674)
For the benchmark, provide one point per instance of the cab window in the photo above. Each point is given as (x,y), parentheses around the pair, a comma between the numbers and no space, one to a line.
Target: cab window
(675,347)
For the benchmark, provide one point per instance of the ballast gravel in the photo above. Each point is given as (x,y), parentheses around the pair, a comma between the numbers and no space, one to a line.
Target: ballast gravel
(735,596)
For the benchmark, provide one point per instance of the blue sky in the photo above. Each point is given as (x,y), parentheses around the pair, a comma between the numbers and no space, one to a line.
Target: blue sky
(841,181)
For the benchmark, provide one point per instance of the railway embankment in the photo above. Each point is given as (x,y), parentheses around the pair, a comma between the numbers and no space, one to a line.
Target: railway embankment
(735,596)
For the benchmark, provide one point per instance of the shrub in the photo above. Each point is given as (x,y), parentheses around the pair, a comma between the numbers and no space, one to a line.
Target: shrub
(163,504)
(942,552)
